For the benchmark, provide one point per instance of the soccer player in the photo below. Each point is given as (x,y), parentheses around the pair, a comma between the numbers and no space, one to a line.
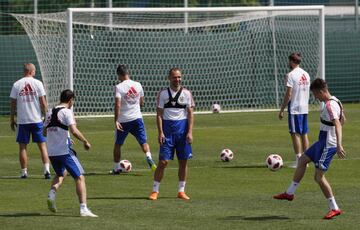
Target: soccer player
(29,103)
(296,98)
(129,96)
(321,152)
(58,123)
(175,121)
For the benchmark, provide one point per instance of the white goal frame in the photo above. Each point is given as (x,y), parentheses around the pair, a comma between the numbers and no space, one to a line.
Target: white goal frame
(186,10)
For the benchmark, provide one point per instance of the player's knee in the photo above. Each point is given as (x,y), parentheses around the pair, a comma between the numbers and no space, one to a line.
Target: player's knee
(318,178)
(80,178)
(163,163)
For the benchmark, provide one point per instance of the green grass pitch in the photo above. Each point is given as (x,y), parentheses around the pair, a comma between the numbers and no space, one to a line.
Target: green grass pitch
(232,195)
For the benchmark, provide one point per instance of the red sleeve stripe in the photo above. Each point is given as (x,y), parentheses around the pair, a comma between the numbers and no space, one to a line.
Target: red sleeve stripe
(328,108)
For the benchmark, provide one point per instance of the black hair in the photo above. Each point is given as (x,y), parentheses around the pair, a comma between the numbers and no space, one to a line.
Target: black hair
(318,84)
(295,57)
(122,70)
(66,96)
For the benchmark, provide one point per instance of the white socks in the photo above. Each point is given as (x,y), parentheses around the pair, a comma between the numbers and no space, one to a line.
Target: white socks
(24,172)
(46,168)
(292,188)
(182,186)
(332,204)
(52,194)
(156,186)
(117,165)
(148,155)
(83,206)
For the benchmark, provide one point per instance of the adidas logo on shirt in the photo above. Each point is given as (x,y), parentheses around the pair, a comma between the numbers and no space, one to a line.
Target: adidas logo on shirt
(27,91)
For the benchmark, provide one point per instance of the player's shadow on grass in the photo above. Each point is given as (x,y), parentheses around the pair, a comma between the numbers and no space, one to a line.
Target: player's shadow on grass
(108,174)
(124,198)
(255,218)
(30,214)
(241,166)
(20,179)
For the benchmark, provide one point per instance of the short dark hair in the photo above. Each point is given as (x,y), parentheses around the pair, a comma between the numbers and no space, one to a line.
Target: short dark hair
(122,70)
(174,69)
(295,57)
(318,84)
(66,96)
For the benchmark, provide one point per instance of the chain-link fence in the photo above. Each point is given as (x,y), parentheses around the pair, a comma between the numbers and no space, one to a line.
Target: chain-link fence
(341,26)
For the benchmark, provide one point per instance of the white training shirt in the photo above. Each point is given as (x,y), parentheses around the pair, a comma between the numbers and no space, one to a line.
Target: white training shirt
(27,91)
(299,80)
(57,138)
(329,112)
(129,92)
(175,114)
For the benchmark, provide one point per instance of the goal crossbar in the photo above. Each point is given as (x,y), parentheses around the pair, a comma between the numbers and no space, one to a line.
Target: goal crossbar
(194,9)
(186,10)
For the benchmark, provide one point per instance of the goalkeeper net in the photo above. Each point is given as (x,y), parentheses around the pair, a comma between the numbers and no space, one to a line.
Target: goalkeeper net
(235,57)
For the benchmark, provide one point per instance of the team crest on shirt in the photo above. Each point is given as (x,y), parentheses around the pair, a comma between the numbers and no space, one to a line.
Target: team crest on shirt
(181,99)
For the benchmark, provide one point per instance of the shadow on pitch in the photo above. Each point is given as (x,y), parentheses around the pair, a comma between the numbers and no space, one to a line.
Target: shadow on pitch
(108,174)
(255,218)
(241,166)
(30,214)
(124,198)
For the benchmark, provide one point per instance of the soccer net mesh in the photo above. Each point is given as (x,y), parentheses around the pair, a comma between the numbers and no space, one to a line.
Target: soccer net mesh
(235,59)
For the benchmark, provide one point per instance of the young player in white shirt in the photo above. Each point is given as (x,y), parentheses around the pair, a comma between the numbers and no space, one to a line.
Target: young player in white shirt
(28,102)
(297,99)
(321,152)
(129,96)
(58,123)
(175,122)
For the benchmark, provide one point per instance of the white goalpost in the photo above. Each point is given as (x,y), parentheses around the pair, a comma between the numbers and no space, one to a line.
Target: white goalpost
(232,56)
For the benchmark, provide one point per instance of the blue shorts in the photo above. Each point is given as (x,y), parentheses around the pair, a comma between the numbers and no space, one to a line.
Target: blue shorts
(175,139)
(135,127)
(69,162)
(298,123)
(36,130)
(319,154)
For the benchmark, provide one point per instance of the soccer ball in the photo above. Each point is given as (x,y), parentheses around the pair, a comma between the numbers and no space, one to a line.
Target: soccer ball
(274,162)
(125,166)
(215,108)
(226,155)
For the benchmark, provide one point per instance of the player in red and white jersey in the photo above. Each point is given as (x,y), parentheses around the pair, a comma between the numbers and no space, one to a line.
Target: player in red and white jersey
(129,96)
(59,121)
(296,99)
(28,102)
(175,121)
(322,152)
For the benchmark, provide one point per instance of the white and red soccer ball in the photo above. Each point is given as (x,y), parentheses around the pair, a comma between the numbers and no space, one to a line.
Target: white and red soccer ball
(215,108)
(125,166)
(226,155)
(274,162)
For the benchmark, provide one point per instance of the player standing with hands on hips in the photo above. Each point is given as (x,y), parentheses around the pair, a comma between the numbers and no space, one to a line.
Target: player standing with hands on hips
(321,152)
(28,102)
(175,121)
(297,100)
